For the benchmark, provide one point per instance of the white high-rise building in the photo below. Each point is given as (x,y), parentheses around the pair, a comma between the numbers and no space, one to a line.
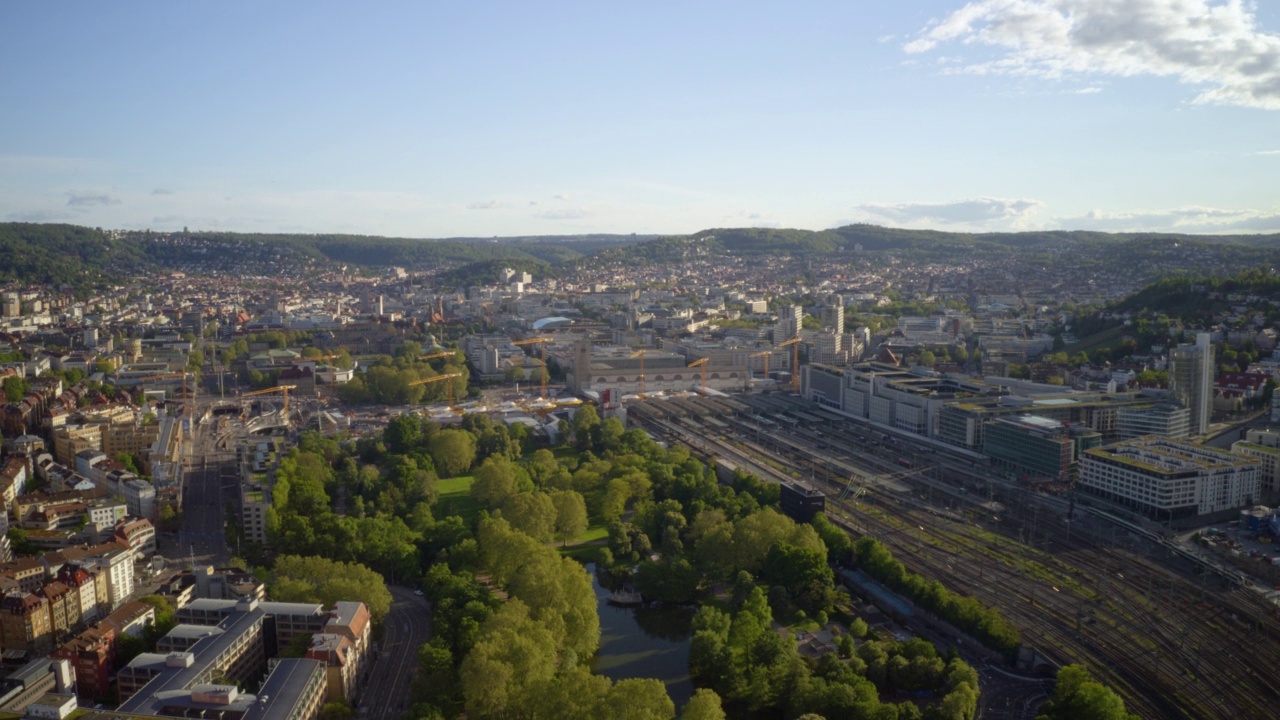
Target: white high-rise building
(1191,380)
(790,319)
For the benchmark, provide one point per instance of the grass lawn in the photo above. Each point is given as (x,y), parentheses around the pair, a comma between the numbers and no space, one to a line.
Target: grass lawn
(585,547)
(455,498)
(595,532)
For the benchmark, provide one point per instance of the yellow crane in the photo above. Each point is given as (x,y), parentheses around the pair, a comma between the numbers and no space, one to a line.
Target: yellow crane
(640,354)
(541,342)
(439,378)
(703,364)
(764,355)
(169,376)
(433,356)
(794,343)
(283,389)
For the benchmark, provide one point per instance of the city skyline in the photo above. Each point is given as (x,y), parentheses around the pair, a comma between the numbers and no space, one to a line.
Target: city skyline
(437,121)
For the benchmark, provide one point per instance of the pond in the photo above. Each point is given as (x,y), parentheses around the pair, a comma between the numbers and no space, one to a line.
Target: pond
(644,642)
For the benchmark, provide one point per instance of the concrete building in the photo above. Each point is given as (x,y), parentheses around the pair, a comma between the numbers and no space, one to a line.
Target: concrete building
(1264,447)
(1167,419)
(790,320)
(1170,480)
(1037,447)
(1191,380)
(233,651)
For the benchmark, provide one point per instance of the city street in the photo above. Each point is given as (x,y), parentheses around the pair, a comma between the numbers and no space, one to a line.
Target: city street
(406,628)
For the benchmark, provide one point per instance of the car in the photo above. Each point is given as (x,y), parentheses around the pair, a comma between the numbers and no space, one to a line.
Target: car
(419,593)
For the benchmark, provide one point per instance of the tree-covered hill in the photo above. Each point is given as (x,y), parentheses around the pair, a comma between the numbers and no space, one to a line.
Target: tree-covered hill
(63,254)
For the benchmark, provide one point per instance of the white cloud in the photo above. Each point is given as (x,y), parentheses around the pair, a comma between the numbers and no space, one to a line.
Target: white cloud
(90,199)
(1190,219)
(570,213)
(983,212)
(1215,45)
(486,205)
(1268,152)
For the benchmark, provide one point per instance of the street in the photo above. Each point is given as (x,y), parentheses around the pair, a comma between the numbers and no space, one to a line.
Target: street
(406,628)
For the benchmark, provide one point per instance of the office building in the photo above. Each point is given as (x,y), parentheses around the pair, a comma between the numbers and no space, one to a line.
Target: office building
(1170,480)
(1191,380)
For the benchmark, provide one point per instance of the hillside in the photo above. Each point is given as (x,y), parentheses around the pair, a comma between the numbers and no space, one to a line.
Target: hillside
(84,257)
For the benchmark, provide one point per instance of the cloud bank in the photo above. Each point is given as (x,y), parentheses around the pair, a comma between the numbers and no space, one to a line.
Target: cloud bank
(1216,45)
(975,211)
(1191,219)
(91,199)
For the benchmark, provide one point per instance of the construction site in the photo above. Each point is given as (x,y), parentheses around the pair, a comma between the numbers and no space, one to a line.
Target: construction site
(1177,637)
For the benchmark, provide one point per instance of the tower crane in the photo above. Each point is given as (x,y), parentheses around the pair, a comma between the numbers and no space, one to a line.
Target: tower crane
(764,355)
(703,364)
(794,343)
(169,376)
(439,378)
(433,356)
(640,354)
(283,389)
(541,342)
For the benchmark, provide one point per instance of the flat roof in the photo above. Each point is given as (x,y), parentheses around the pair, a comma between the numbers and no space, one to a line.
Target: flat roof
(151,698)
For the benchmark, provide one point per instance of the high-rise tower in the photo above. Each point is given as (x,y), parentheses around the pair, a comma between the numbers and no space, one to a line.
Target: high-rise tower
(1191,380)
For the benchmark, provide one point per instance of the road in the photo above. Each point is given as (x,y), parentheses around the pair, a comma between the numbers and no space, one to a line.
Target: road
(406,628)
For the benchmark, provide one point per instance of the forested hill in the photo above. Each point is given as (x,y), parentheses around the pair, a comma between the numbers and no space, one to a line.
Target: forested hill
(1040,247)
(85,257)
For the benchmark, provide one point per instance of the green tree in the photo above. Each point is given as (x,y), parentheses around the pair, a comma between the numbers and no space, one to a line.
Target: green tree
(453,451)
(497,479)
(571,515)
(704,705)
(638,699)
(314,579)
(1077,695)
(15,388)
(336,710)
(532,513)
(403,434)
(584,423)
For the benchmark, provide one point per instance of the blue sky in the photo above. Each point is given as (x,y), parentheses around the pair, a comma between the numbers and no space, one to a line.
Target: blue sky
(433,119)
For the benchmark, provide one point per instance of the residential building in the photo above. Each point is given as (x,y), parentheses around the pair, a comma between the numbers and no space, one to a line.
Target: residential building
(25,623)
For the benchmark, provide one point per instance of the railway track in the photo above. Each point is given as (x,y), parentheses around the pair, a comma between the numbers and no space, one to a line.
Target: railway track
(1172,644)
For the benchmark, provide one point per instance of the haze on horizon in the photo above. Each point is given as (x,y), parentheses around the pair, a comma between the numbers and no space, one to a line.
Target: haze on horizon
(481,119)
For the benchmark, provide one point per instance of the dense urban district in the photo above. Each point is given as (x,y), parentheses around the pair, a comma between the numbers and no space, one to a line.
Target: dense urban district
(745,473)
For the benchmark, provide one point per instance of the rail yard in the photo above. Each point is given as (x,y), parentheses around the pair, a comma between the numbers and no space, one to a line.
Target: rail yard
(1175,637)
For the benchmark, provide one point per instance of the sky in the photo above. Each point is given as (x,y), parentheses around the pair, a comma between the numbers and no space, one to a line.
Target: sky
(445,119)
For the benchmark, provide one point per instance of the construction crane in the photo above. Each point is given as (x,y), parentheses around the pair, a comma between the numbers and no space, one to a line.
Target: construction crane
(764,355)
(795,362)
(169,376)
(439,378)
(703,364)
(640,354)
(541,342)
(283,389)
(433,356)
